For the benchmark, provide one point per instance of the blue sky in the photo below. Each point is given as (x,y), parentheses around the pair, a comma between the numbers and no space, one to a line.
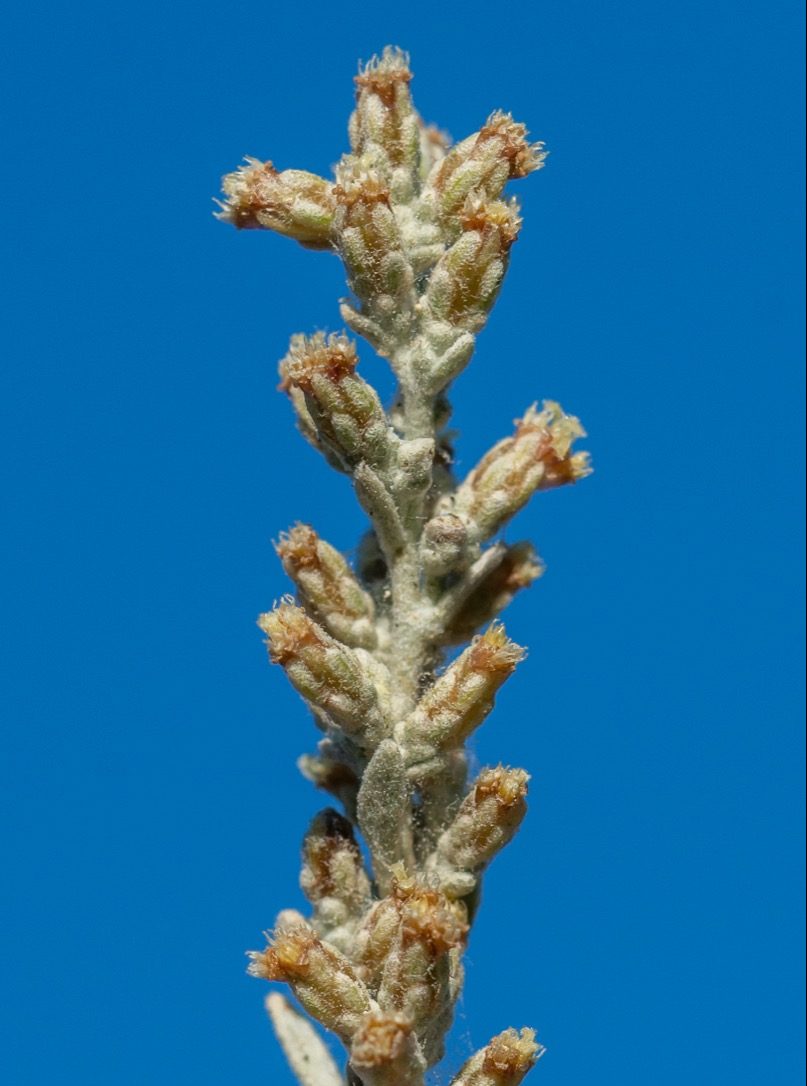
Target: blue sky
(647,920)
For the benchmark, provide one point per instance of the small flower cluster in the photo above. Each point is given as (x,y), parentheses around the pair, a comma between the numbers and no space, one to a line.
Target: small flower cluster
(425,233)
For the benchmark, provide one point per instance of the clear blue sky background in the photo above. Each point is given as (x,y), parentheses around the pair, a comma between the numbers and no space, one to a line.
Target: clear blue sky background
(647,919)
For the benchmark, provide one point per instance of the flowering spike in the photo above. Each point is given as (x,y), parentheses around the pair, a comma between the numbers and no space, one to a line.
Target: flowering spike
(425,232)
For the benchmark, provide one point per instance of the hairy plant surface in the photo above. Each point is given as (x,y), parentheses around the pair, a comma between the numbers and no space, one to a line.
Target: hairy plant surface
(425,234)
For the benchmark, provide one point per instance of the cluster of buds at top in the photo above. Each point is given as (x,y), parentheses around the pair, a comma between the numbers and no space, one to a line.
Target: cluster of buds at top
(425,231)
(385,127)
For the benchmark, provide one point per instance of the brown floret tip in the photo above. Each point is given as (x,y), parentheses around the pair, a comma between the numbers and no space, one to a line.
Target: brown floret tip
(379,1040)
(494,651)
(507,786)
(511,1053)
(289,629)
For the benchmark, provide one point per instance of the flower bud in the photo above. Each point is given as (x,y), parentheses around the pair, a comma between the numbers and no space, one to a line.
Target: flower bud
(333,876)
(429,919)
(518,568)
(378,271)
(346,412)
(443,546)
(328,586)
(486,821)
(385,126)
(332,678)
(460,699)
(466,281)
(419,972)
(483,164)
(322,979)
(385,1051)
(536,457)
(504,1062)
(375,939)
(294,203)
